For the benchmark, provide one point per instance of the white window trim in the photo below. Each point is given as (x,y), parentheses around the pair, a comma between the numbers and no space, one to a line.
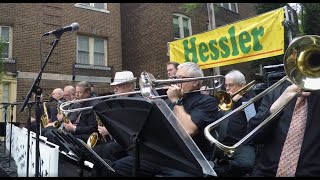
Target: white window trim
(229,7)
(91,50)
(80,5)
(10,42)
(180,16)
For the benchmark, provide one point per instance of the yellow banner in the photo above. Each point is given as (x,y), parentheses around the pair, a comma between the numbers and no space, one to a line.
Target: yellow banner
(247,40)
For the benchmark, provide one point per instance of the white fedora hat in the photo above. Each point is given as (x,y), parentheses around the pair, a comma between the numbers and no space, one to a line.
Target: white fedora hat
(123,77)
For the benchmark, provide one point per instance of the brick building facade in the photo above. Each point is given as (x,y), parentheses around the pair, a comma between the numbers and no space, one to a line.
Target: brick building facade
(29,21)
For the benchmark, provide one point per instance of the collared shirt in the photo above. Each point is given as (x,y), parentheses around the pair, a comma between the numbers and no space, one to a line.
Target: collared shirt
(274,134)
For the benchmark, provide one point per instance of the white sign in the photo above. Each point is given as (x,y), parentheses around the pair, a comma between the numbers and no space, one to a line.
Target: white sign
(49,153)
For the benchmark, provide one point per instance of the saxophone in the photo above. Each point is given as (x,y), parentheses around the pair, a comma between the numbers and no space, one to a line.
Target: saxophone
(44,118)
(65,119)
(96,136)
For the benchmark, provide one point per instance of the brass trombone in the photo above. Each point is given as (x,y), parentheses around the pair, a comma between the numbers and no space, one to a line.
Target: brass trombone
(302,66)
(225,99)
(146,82)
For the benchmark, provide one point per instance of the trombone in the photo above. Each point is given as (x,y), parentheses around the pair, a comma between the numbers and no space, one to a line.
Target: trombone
(225,99)
(146,82)
(302,67)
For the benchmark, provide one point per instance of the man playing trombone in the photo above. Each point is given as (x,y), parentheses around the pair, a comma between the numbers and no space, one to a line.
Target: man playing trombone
(304,155)
(85,123)
(193,110)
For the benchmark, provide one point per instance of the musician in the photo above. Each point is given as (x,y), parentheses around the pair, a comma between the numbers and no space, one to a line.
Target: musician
(172,68)
(194,111)
(124,82)
(86,122)
(69,94)
(233,129)
(274,134)
(56,100)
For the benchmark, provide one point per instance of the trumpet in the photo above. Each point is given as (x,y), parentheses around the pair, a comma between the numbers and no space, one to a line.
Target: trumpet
(146,82)
(302,67)
(225,99)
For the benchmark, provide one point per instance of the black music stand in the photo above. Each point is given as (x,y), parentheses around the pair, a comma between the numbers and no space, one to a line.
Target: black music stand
(82,151)
(151,127)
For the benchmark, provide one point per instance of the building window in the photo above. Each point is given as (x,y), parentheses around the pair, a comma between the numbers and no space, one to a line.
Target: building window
(92,51)
(6,38)
(102,7)
(181,26)
(230,6)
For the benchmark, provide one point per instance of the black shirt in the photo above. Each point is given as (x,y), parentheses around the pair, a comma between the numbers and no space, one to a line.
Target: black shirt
(203,110)
(237,123)
(274,135)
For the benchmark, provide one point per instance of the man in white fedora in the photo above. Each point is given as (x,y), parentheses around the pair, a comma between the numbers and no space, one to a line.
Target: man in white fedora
(124,82)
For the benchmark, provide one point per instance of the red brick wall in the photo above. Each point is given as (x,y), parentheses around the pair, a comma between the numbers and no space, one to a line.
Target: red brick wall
(146,29)
(31,20)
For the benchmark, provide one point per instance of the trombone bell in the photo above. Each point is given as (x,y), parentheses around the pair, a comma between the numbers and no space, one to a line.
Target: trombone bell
(302,62)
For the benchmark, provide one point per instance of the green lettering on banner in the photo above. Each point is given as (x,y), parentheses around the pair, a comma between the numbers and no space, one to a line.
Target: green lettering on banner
(203,48)
(233,40)
(255,33)
(225,48)
(192,50)
(215,51)
(244,37)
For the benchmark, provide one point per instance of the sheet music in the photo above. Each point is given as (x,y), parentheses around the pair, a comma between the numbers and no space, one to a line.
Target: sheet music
(250,111)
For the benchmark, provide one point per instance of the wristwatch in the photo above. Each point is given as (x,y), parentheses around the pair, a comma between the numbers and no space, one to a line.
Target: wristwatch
(177,102)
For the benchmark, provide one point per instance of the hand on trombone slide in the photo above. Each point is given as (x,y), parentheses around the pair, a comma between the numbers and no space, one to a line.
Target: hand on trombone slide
(286,95)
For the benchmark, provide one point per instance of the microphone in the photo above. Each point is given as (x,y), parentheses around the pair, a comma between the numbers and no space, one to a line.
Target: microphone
(72,27)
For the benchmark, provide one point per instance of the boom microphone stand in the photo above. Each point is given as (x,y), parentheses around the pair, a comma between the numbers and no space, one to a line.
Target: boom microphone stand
(35,88)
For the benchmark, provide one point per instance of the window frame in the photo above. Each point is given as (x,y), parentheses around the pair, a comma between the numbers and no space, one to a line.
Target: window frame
(10,41)
(91,7)
(92,51)
(181,27)
(230,7)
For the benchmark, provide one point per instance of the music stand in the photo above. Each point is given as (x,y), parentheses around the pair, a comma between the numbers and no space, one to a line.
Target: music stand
(81,150)
(151,126)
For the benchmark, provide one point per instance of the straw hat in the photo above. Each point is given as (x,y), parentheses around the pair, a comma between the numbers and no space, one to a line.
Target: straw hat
(123,77)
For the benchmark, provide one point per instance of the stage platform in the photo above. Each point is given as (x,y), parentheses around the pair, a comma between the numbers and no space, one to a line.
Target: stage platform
(5,169)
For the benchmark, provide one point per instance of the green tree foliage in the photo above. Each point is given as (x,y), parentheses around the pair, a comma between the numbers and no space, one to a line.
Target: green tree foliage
(310,18)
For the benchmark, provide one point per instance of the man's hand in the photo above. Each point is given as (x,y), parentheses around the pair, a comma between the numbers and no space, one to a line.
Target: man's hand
(103,130)
(70,127)
(174,93)
(285,96)
(49,124)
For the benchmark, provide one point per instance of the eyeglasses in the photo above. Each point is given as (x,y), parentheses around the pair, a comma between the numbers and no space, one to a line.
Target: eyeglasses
(229,85)
(181,77)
